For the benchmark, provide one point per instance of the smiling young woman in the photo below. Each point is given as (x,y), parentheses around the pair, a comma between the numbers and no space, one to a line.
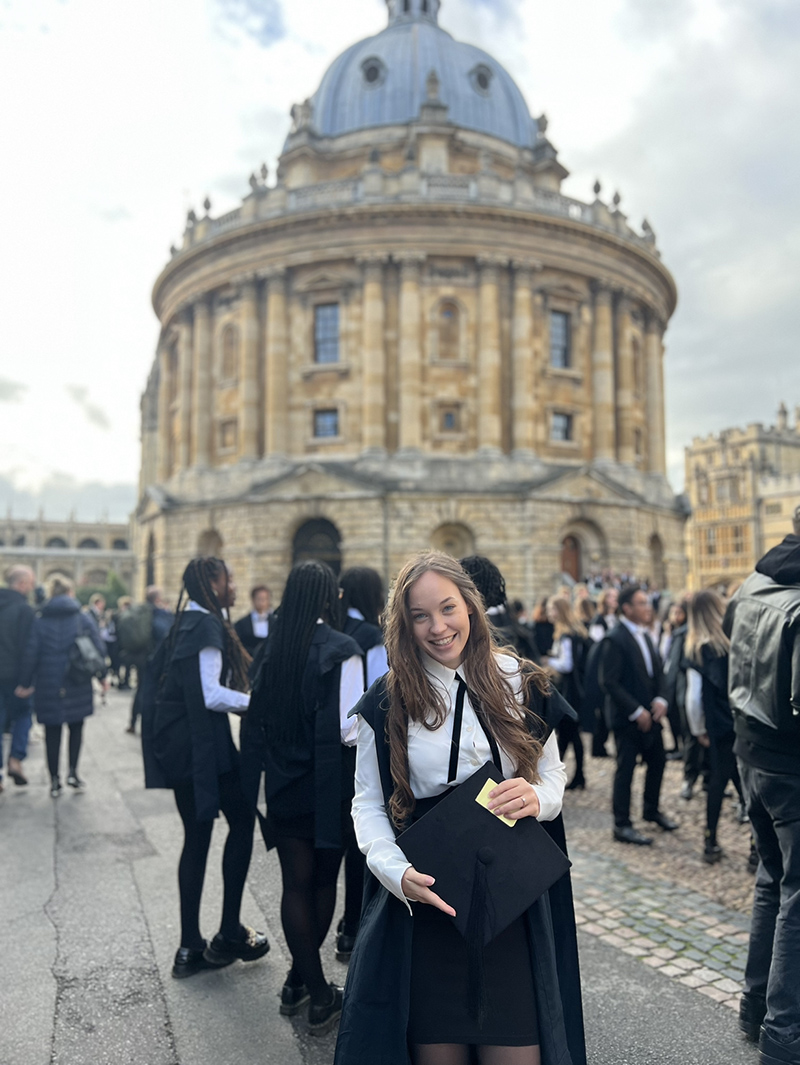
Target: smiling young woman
(408,987)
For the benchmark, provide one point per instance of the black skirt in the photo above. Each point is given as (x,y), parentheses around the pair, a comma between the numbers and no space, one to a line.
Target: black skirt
(302,826)
(439,986)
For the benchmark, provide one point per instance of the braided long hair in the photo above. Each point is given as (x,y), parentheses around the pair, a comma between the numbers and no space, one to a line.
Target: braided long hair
(197,587)
(311,593)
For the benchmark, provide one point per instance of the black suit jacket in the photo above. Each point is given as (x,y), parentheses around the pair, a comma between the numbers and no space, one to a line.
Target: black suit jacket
(624,678)
(244,630)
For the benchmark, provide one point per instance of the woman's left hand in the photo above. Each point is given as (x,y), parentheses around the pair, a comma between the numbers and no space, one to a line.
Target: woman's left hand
(514,799)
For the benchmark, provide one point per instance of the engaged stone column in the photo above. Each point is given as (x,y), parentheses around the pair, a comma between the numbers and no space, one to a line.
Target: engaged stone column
(185,390)
(603,377)
(373,354)
(490,431)
(164,412)
(626,451)
(523,397)
(276,427)
(201,407)
(249,398)
(656,442)
(410,352)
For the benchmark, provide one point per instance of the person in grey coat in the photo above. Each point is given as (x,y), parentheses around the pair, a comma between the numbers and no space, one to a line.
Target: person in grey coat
(45,668)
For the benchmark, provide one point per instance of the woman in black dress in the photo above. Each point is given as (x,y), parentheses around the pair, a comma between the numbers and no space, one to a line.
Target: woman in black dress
(567,663)
(308,680)
(200,676)
(407,994)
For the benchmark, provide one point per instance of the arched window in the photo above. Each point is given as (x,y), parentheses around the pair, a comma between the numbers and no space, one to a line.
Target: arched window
(318,539)
(18,541)
(658,571)
(121,545)
(56,541)
(150,565)
(210,544)
(454,539)
(230,353)
(571,560)
(88,544)
(449,331)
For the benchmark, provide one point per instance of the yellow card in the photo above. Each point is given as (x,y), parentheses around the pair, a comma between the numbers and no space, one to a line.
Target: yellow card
(483,800)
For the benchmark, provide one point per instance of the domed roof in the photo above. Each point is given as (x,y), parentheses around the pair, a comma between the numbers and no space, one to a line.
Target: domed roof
(381,81)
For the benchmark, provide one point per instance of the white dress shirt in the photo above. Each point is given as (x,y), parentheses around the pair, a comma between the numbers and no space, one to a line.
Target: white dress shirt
(598,631)
(377,662)
(562,661)
(260,625)
(695,714)
(429,760)
(216,695)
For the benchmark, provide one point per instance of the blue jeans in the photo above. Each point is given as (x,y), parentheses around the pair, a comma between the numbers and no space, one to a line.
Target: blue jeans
(15,717)
(773,961)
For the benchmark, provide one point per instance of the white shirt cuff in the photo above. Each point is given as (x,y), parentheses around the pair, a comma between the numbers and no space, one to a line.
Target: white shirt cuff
(637,713)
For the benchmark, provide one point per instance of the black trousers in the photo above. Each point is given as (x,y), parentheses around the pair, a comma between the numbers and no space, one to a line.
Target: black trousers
(235,859)
(723,769)
(632,742)
(52,741)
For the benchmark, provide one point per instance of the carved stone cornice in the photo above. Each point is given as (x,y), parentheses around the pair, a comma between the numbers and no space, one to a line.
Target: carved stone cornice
(490,266)
(524,269)
(410,263)
(372,266)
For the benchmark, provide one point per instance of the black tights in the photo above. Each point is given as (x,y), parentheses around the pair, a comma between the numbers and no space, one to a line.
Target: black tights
(52,740)
(307,905)
(723,769)
(235,858)
(458,1054)
(569,732)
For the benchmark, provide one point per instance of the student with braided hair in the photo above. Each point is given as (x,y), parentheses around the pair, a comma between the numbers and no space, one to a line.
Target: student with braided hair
(201,677)
(309,678)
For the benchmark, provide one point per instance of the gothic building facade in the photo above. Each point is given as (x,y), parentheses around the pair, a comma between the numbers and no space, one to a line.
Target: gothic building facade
(411,338)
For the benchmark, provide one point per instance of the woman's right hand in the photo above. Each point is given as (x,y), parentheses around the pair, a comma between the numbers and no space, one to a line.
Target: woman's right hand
(417,887)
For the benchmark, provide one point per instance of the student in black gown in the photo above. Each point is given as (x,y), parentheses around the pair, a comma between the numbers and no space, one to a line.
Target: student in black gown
(567,660)
(363,600)
(308,679)
(199,676)
(506,628)
(407,996)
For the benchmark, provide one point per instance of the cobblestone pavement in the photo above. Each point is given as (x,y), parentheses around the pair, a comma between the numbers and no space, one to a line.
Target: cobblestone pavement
(662,904)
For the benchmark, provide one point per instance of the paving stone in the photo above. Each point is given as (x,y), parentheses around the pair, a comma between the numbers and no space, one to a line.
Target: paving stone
(727,985)
(713,992)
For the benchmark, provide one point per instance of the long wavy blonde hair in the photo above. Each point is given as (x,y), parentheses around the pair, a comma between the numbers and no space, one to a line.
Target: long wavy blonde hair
(706,614)
(412,696)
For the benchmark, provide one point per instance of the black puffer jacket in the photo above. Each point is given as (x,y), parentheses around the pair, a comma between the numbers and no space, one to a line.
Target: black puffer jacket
(764,681)
(16,618)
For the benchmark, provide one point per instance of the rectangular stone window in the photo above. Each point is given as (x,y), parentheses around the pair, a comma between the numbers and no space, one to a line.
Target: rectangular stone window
(711,541)
(228,435)
(326,423)
(561,428)
(450,418)
(326,333)
(738,539)
(774,508)
(560,354)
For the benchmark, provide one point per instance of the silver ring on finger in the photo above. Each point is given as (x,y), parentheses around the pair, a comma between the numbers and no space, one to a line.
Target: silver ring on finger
(523,801)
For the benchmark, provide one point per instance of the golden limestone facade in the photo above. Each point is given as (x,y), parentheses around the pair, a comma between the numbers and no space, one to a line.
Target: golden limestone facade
(744,490)
(411,338)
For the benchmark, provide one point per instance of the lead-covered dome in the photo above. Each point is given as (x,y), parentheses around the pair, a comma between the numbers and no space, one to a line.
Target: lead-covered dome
(381,81)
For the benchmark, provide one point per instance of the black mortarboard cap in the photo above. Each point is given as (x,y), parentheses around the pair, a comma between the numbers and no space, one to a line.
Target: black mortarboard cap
(489,869)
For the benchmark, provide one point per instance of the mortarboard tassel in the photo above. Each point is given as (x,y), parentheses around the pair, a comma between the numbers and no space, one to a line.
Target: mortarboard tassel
(476,931)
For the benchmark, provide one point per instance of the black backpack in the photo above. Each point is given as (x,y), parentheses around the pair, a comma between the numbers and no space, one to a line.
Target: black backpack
(85,661)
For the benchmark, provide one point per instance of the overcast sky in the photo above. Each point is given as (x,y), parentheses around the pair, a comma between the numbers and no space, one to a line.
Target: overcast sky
(119,115)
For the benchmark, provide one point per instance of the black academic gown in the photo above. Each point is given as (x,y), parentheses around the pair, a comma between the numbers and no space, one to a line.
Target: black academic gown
(374,1022)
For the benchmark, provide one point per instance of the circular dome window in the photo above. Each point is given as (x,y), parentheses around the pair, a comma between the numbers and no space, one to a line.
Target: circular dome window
(481,78)
(374,72)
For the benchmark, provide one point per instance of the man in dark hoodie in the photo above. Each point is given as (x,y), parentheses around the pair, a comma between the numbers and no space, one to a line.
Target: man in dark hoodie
(16,617)
(764,621)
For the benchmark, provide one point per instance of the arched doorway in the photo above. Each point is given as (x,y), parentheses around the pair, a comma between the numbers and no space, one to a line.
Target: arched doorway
(454,539)
(210,544)
(318,539)
(658,571)
(571,561)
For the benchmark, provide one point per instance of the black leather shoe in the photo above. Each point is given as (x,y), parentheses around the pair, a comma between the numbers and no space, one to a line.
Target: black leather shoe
(74,781)
(675,756)
(188,962)
(344,946)
(250,947)
(577,782)
(752,1011)
(772,1053)
(293,997)
(712,853)
(628,834)
(687,791)
(600,752)
(322,1018)
(663,822)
